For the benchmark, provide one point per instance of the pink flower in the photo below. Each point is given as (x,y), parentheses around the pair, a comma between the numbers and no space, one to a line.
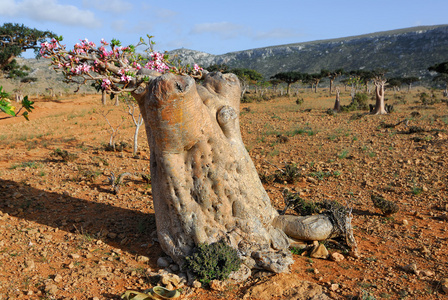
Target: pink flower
(197,68)
(106,84)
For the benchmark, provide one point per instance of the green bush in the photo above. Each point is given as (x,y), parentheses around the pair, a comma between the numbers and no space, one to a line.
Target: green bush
(214,261)
(359,102)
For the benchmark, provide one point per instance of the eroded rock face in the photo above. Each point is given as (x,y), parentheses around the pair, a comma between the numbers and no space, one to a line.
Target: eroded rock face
(205,186)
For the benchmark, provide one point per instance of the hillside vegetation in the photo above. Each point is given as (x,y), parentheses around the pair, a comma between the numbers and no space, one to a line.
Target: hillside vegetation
(404,52)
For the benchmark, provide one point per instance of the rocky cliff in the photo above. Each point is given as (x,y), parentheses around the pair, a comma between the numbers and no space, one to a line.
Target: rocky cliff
(404,52)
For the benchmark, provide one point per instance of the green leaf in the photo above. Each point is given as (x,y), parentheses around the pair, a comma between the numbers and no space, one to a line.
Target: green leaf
(7,109)
(27,104)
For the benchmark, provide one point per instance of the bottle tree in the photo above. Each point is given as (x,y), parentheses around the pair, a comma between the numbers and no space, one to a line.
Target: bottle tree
(205,186)
(379,81)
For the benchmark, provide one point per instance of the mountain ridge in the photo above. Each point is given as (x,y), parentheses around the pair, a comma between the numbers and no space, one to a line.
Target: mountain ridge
(404,52)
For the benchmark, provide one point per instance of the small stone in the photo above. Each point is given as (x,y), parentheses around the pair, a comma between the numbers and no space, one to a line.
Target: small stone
(174,267)
(405,222)
(355,254)
(112,235)
(58,278)
(162,262)
(196,284)
(444,285)
(319,252)
(30,264)
(427,273)
(335,256)
(218,285)
(74,256)
(51,288)
(334,287)
(411,268)
(142,259)
(425,250)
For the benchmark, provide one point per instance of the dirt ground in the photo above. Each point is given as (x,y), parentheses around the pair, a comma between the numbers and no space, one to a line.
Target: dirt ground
(65,235)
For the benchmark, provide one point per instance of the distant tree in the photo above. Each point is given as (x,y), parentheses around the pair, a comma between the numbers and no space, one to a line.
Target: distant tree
(409,81)
(14,40)
(275,83)
(246,76)
(394,83)
(379,81)
(315,79)
(442,70)
(332,75)
(289,78)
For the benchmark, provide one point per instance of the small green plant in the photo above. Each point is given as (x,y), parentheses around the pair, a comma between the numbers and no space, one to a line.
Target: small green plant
(366,296)
(343,154)
(296,251)
(417,190)
(387,207)
(28,164)
(214,261)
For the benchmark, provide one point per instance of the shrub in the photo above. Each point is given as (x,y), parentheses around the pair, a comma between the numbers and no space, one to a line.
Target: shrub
(214,261)
(289,174)
(387,207)
(359,102)
(64,154)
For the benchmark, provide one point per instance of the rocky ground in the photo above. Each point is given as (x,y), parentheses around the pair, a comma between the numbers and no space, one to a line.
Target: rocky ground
(65,235)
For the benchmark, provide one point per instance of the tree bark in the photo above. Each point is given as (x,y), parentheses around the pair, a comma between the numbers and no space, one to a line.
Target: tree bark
(337,102)
(104,97)
(205,186)
(379,92)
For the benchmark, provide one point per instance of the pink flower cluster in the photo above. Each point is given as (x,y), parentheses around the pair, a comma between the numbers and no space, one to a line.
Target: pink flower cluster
(84,68)
(126,75)
(84,46)
(157,63)
(106,84)
(48,47)
(197,68)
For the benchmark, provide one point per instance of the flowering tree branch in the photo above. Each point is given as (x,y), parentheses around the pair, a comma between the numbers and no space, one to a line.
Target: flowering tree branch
(111,67)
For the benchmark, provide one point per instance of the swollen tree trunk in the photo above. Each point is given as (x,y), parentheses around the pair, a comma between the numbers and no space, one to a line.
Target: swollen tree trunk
(331,85)
(104,97)
(205,186)
(379,93)
(337,102)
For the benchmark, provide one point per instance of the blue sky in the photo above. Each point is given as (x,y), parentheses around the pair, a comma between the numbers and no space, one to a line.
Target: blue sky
(219,27)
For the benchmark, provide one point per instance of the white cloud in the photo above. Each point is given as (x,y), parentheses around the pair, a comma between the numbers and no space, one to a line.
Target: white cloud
(115,6)
(166,14)
(49,10)
(224,30)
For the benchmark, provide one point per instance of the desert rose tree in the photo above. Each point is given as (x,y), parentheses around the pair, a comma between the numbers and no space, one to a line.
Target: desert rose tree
(205,186)
(379,81)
